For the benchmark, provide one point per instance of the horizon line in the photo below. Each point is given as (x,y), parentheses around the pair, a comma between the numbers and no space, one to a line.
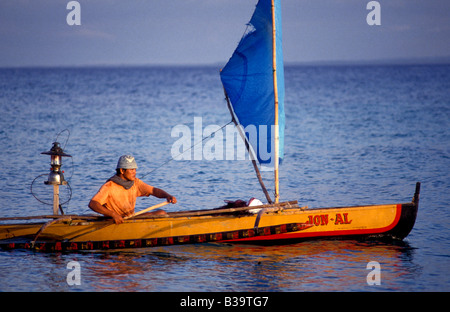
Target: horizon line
(439,60)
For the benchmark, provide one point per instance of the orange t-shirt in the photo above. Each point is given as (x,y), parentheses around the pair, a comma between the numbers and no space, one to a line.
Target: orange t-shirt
(115,197)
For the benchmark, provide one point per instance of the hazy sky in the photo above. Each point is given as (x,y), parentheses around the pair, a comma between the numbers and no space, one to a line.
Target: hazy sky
(119,32)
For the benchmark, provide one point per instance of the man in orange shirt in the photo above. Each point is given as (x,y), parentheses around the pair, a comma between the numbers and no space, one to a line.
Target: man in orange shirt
(117,197)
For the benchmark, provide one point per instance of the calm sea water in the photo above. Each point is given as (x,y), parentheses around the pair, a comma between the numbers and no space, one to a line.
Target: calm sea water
(354,135)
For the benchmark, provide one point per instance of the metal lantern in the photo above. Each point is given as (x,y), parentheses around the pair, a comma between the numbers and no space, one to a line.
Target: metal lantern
(56,177)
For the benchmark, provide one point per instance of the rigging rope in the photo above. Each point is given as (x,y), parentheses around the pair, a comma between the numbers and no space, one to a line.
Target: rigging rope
(192,146)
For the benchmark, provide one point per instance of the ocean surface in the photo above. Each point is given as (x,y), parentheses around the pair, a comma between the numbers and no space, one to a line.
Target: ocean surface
(354,135)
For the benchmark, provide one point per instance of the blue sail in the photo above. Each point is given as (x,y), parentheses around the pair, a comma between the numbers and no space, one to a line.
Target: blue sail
(248,82)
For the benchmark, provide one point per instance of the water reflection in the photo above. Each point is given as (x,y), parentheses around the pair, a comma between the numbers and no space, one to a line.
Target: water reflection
(308,266)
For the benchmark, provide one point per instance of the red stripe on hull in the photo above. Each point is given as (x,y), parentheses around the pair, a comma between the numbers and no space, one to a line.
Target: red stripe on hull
(338,233)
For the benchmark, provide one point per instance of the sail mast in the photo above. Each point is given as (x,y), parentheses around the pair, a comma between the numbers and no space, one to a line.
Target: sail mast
(275,92)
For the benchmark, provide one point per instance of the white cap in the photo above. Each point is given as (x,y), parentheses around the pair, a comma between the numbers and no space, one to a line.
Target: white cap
(126,162)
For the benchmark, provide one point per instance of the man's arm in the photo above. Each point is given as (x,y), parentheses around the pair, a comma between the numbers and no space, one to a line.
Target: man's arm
(163,194)
(95,205)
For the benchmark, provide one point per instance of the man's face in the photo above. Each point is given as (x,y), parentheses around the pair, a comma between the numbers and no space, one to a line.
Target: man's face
(129,174)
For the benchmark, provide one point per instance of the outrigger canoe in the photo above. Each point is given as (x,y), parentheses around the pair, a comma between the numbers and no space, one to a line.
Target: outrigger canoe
(272,224)
(253,82)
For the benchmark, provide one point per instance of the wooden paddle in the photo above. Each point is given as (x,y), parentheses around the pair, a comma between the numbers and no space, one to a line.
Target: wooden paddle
(125,218)
(146,210)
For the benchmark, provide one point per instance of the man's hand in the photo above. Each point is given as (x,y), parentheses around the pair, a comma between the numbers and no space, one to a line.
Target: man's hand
(163,194)
(171,199)
(97,207)
(117,218)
